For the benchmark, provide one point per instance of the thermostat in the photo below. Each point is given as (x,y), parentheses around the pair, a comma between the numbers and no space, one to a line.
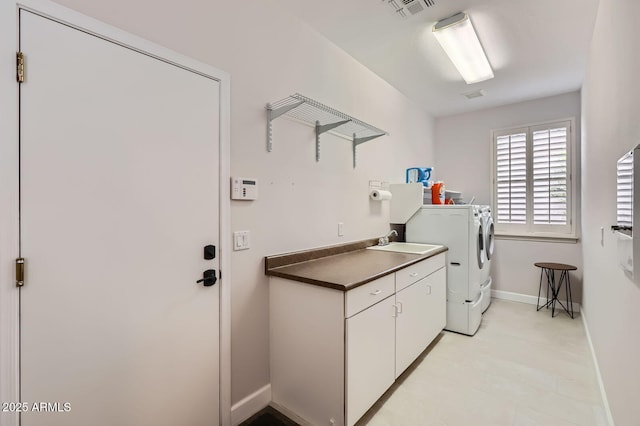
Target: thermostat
(244,188)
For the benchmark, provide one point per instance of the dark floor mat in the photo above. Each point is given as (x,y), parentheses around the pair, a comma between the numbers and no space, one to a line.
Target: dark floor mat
(269,417)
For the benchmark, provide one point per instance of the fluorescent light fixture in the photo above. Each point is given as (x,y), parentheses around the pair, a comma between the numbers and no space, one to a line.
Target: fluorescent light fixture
(459,40)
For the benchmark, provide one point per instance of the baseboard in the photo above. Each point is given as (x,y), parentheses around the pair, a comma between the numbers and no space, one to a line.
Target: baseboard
(247,407)
(290,414)
(525,298)
(603,393)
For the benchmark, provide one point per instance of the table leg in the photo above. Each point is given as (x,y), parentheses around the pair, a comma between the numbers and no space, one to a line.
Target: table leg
(544,272)
(538,307)
(554,292)
(570,297)
(564,278)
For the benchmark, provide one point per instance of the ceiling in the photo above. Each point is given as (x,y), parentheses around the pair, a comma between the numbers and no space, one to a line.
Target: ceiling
(537,48)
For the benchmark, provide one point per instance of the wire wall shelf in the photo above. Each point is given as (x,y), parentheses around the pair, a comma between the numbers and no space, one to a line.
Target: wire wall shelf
(324,119)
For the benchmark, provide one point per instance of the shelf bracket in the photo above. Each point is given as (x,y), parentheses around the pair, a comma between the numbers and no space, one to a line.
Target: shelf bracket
(272,114)
(320,129)
(357,141)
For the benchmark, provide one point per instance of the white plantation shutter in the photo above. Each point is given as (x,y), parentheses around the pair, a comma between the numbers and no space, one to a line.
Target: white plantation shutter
(532,180)
(550,176)
(624,196)
(511,177)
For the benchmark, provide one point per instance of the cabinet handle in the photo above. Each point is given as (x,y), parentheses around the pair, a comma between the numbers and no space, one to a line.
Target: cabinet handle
(428,289)
(375,293)
(399,306)
(415,274)
(395,311)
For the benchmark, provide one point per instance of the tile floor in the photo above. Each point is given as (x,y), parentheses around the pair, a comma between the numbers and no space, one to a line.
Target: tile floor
(521,368)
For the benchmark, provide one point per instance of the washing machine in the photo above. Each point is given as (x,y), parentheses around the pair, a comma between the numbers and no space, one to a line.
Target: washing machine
(489,243)
(460,228)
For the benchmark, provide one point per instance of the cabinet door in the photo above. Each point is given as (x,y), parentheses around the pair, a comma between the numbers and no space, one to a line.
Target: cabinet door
(421,316)
(370,357)
(437,304)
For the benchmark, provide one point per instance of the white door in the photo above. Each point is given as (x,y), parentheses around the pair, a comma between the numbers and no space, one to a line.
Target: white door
(119,195)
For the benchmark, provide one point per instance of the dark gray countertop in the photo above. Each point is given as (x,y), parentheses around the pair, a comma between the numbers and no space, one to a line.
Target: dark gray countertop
(343,271)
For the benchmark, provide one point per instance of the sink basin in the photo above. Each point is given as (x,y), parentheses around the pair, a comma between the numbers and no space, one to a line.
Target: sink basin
(412,248)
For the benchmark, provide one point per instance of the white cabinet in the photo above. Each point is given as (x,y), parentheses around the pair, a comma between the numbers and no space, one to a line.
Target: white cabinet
(421,316)
(334,353)
(370,357)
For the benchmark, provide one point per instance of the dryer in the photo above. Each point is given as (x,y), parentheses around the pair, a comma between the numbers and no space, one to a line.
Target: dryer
(489,243)
(460,228)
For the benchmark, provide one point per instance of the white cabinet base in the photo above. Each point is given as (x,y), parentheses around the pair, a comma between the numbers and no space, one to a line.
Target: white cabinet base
(464,317)
(307,350)
(334,353)
(486,294)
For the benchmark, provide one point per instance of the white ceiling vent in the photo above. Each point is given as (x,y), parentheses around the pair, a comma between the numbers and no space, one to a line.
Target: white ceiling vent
(474,94)
(403,8)
(413,6)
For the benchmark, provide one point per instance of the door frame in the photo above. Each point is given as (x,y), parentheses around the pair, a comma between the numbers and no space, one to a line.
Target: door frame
(9,180)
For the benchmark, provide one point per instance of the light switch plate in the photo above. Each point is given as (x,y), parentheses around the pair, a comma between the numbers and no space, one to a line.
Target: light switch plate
(241,240)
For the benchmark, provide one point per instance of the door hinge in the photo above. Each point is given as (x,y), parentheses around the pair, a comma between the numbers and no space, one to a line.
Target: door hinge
(19,272)
(20,67)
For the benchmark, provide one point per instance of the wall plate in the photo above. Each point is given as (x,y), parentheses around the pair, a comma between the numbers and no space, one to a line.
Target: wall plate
(244,188)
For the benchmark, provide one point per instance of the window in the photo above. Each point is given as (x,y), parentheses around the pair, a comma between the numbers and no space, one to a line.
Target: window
(624,184)
(532,186)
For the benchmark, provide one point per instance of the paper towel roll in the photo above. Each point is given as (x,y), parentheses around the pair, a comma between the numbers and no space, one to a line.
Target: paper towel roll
(379,194)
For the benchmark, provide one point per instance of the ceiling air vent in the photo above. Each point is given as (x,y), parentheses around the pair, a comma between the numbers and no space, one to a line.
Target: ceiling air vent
(403,8)
(413,6)
(474,94)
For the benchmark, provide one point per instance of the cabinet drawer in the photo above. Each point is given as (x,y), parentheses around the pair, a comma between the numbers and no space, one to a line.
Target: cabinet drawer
(409,275)
(366,295)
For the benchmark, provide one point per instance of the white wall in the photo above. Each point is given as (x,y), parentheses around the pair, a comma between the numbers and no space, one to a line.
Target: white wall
(271,55)
(611,126)
(463,153)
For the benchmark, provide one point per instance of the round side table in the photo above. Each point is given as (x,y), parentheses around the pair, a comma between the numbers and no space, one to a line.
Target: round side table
(549,269)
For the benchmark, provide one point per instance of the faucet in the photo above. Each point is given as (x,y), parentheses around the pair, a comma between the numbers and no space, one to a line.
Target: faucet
(384,241)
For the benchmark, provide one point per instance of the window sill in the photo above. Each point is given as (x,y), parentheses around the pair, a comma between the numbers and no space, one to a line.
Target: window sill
(570,239)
